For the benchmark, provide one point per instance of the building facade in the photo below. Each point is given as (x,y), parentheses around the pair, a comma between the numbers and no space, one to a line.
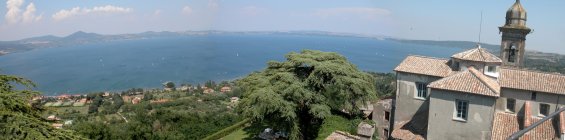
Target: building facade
(476,94)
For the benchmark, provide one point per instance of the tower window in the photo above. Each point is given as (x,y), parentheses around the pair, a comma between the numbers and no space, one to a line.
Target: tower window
(512,53)
(387,115)
(510,104)
(543,109)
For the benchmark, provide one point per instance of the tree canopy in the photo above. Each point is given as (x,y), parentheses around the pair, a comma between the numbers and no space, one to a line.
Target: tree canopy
(18,118)
(297,94)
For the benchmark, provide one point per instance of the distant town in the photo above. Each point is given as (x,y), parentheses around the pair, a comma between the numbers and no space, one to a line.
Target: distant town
(83,103)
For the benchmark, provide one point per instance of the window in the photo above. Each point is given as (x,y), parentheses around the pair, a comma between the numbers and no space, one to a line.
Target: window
(512,53)
(422,90)
(456,65)
(385,132)
(543,109)
(387,115)
(491,69)
(461,108)
(534,95)
(510,104)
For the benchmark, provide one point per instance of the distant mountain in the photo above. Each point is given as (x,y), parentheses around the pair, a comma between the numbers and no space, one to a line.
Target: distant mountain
(81,37)
(41,38)
(458,44)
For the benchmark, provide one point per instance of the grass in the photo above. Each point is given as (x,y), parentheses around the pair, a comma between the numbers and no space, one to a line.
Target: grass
(48,104)
(67,103)
(238,135)
(336,122)
(331,124)
(78,104)
(81,109)
(246,133)
(56,104)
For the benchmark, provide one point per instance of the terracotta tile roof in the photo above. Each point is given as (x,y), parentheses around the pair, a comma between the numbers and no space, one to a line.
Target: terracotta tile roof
(506,124)
(469,81)
(531,80)
(562,122)
(425,65)
(339,135)
(402,132)
(477,54)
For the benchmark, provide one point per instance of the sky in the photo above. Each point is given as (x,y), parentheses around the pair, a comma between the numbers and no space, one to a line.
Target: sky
(407,19)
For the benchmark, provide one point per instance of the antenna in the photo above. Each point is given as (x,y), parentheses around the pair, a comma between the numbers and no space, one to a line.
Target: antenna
(480,27)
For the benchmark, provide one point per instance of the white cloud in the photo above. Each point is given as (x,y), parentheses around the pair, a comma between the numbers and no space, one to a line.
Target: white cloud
(76,11)
(13,13)
(29,14)
(187,10)
(369,13)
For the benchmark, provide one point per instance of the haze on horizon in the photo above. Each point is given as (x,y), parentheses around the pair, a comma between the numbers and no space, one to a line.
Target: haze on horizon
(423,20)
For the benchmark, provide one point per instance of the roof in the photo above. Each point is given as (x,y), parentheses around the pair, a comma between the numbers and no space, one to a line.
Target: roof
(469,81)
(478,54)
(506,124)
(339,135)
(365,129)
(516,11)
(532,80)
(425,65)
(405,134)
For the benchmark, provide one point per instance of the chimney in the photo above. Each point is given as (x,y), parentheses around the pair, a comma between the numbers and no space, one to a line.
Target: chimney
(527,119)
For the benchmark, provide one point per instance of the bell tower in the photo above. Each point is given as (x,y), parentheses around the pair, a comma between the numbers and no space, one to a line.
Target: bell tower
(514,31)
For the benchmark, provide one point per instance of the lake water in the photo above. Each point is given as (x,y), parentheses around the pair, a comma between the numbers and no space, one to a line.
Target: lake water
(146,63)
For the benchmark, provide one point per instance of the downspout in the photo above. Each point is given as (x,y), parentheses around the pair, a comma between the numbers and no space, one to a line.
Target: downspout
(561,119)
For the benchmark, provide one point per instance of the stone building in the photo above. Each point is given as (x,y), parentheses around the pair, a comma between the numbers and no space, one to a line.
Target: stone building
(477,95)
(382,117)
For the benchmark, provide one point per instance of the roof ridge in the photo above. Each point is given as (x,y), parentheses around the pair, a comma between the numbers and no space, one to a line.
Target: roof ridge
(421,56)
(476,73)
(445,78)
(469,52)
(481,53)
(530,70)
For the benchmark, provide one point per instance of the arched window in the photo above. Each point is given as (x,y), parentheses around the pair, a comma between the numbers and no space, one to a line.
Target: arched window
(512,53)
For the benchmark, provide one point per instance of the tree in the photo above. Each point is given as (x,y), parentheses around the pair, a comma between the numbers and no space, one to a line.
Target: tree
(93,108)
(210,84)
(385,84)
(170,85)
(296,95)
(20,120)
(118,102)
(147,96)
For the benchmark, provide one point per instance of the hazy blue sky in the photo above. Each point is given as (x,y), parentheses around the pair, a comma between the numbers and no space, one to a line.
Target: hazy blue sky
(411,19)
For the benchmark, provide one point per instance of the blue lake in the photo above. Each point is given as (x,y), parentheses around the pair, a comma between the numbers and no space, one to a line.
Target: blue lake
(146,63)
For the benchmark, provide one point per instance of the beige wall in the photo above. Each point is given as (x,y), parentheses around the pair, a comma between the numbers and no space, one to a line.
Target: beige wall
(406,103)
(522,96)
(442,125)
(379,117)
